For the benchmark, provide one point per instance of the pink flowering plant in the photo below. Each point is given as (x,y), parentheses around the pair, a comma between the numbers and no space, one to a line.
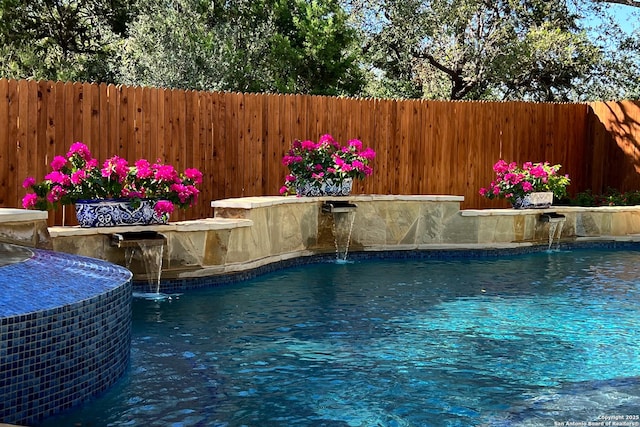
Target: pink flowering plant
(78,176)
(313,163)
(513,182)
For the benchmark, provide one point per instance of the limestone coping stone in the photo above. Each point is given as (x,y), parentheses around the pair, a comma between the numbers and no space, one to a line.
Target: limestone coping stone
(565,209)
(178,226)
(22,215)
(266,201)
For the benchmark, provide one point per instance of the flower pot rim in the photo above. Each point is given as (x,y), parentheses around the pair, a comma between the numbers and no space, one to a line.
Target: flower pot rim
(117,200)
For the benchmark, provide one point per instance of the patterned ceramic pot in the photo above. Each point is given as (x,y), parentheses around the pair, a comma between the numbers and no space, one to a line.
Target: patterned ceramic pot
(329,187)
(117,212)
(535,200)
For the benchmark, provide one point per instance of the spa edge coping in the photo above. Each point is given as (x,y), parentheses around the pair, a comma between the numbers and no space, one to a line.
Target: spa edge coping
(553,208)
(178,226)
(21,215)
(266,201)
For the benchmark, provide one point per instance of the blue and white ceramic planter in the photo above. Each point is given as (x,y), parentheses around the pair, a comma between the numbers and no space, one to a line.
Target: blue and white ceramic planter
(535,200)
(117,212)
(328,187)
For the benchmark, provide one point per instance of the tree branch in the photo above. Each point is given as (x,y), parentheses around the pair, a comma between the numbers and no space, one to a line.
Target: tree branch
(432,60)
(632,3)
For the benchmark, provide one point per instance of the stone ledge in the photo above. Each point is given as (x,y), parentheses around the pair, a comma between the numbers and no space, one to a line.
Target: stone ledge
(22,215)
(180,226)
(625,238)
(560,209)
(266,201)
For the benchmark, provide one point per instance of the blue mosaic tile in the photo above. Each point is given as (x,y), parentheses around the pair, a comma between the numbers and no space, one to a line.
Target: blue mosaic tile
(65,333)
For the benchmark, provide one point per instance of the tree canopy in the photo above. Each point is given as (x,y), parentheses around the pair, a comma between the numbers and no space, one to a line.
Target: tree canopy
(542,50)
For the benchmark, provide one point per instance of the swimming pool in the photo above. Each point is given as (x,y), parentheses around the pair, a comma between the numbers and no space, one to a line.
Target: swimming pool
(520,340)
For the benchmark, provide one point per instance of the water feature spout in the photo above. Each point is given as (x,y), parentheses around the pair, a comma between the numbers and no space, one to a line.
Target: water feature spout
(556,222)
(150,246)
(344,214)
(338,206)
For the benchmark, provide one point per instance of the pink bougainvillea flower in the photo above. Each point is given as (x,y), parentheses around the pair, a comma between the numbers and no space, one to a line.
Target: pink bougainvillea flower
(368,154)
(81,177)
(358,165)
(326,139)
(131,193)
(501,166)
(308,145)
(115,165)
(538,171)
(284,189)
(527,186)
(164,207)
(28,182)
(78,176)
(165,173)
(194,175)
(56,194)
(338,161)
(483,191)
(29,200)
(183,192)
(80,149)
(57,177)
(143,169)
(327,159)
(58,163)
(356,143)
(289,178)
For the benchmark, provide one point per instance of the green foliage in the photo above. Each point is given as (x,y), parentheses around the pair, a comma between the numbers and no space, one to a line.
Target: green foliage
(542,50)
(316,46)
(611,197)
(266,45)
(60,39)
(474,49)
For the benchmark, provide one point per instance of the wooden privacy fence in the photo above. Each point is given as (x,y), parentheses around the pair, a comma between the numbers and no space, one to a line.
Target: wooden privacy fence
(237,140)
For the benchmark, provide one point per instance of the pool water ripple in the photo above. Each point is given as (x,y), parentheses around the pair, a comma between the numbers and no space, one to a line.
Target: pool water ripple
(522,341)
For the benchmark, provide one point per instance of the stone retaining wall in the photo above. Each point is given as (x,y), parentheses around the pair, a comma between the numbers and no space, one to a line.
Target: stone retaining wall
(247,233)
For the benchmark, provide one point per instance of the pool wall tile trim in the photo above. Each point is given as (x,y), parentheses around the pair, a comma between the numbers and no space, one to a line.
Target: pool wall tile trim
(72,339)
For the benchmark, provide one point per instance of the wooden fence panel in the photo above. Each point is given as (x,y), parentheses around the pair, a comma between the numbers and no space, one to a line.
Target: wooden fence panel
(619,124)
(237,140)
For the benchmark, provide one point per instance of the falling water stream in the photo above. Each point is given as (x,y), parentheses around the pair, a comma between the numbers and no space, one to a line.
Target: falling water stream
(152,260)
(555,225)
(342,234)
(552,231)
(150,254)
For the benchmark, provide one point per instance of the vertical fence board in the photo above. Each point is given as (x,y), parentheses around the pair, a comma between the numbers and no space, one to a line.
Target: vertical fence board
(190,128)
(218,153)
(274,146)
(256,150)
(205,144)
(6,198)
(231,143)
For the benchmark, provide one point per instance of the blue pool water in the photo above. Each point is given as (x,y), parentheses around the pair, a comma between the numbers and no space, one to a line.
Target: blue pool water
(529,340)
